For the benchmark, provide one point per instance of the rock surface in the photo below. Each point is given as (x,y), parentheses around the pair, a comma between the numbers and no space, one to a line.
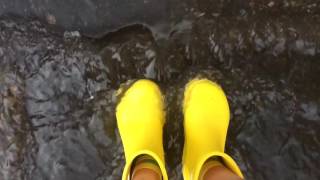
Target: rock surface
(57,89)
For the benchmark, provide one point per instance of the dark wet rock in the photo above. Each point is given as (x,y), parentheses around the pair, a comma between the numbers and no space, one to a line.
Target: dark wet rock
(57,89)
(66,155)
(310,111)
(14,127)
(93,18)
(97,18)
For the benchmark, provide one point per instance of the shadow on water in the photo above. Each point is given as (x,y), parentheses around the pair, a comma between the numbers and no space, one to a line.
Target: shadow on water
(57,99)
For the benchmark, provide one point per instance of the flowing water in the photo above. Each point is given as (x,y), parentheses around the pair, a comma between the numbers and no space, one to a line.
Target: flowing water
(57,88)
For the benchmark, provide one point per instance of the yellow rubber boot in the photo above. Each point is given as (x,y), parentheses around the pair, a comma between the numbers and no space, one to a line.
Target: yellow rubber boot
(140,119)
(206,121)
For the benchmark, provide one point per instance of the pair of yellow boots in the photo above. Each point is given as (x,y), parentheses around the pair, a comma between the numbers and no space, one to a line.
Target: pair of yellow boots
(140,118)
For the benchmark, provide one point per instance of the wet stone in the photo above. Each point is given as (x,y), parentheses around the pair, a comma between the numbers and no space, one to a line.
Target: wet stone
(57,101)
